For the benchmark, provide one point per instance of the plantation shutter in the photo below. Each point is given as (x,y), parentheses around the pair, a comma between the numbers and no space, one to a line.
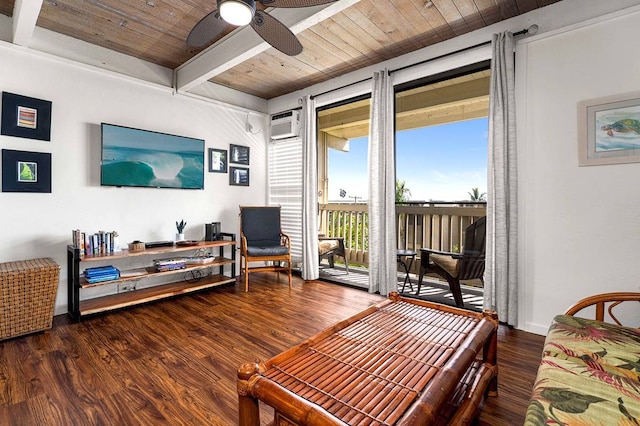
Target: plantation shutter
(285,189)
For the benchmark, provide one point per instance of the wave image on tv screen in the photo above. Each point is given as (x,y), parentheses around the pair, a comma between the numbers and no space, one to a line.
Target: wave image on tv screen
(133,157)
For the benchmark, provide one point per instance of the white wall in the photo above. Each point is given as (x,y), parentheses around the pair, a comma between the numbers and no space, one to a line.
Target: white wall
(39,225)
(580,227)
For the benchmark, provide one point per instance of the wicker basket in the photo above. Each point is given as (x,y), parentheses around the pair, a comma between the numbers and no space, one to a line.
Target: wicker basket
(28,290)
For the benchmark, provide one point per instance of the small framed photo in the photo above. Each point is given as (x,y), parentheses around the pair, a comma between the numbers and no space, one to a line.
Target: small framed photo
(217,160)
(239,154)
(609,130)
(24,171)
(239,176)
(27,171)
(26,117)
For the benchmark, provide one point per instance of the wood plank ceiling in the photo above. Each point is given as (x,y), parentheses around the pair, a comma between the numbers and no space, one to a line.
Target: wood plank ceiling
(368,32)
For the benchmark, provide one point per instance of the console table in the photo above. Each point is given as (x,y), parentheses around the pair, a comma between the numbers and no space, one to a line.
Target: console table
(79,307)
(401,362)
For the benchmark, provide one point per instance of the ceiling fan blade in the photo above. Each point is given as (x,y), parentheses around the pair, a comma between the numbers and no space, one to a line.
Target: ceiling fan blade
(293,3)
(206,30)
(276,33)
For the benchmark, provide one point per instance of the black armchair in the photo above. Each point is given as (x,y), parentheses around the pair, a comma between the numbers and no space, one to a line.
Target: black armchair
(454,267)
(262,240)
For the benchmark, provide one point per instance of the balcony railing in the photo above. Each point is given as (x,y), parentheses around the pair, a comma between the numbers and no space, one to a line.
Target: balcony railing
(439,226)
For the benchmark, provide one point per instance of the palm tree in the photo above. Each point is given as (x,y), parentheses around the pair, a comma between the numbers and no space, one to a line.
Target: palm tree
(402,192)
(475,195)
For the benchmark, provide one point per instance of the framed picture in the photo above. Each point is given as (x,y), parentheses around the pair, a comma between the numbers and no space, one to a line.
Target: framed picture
(239,176)
(609,130)
(24,171)
(217,160)
(25,117)
(239,154)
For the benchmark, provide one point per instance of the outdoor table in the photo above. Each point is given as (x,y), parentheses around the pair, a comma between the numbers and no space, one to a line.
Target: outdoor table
(404,256)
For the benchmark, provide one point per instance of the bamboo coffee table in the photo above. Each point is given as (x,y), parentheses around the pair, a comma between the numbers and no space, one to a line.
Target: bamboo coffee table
(401,362)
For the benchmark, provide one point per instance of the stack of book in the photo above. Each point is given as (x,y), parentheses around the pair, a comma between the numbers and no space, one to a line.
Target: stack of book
(101,273)
(92,244)
(169,264)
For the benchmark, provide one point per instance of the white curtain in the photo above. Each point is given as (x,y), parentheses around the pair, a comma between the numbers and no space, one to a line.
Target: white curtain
(382,231)
(310,191)
(501,286)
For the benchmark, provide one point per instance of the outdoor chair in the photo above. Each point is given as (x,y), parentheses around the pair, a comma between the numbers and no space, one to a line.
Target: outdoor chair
(262,240)
(456,267)
(328,247)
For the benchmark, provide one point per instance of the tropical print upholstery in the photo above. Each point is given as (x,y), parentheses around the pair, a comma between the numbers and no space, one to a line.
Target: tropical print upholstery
(589,375)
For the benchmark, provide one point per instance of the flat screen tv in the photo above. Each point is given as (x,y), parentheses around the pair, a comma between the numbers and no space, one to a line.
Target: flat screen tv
(134,157)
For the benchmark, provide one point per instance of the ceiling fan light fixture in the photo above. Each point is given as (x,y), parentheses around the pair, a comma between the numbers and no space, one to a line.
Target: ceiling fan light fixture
(237,12)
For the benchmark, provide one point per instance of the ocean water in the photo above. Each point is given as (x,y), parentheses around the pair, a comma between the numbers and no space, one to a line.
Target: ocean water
(152,168)
(620,141)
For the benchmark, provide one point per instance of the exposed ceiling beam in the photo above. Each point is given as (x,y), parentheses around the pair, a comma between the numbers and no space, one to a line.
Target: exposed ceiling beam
(245,44)
(429,116)
(419,100)
(25,16)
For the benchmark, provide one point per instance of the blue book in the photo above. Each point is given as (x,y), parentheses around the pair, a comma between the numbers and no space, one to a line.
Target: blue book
(102,278)
(101,272)
(100,268)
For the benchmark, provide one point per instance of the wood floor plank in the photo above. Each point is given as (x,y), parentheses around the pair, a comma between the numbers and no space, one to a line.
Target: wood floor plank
(175,361)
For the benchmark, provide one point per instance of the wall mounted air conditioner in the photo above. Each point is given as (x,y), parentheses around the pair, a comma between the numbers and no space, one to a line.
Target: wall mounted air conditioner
(285,125)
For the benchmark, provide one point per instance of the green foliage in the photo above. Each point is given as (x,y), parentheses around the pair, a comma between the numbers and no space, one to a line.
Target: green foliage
(402,192)
(352,228)
(475,195)
(180,226)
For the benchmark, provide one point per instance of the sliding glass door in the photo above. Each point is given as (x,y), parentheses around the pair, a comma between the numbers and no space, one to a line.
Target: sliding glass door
(343,131)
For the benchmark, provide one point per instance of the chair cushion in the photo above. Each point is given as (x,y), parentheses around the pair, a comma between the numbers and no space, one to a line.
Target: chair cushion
(264,243)
(325,246)
(267,251)
(260,225)
(447,263)
(588,375)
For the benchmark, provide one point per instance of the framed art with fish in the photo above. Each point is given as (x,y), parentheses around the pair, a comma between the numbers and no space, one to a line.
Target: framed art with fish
(609,130)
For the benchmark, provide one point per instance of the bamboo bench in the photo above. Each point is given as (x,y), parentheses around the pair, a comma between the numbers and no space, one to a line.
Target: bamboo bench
(401,362)
(588,373)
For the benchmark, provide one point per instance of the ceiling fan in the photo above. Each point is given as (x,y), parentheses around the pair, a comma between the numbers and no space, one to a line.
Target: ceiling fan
(243,12)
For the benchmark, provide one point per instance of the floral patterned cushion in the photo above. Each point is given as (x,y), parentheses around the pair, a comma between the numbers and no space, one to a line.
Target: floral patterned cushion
(589,375)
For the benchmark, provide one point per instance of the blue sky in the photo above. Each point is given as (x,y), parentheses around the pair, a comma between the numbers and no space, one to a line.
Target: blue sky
(437,163)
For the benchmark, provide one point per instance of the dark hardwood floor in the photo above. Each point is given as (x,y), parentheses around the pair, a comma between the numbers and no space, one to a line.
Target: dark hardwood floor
(174,362)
